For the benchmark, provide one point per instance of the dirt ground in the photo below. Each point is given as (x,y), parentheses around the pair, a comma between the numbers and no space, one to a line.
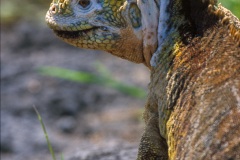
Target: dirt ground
(84,121)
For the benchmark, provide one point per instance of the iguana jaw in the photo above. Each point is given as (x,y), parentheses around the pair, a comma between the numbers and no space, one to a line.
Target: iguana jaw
(65,34)
(73,34)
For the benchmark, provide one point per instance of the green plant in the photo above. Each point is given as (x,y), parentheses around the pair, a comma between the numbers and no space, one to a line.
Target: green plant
(46,135)
(104,78)
(233,5)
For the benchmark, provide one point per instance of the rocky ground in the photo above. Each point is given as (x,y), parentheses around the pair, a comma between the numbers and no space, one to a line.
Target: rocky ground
(84,121)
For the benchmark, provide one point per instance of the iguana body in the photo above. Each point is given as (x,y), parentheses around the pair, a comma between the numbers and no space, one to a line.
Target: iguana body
(193,110)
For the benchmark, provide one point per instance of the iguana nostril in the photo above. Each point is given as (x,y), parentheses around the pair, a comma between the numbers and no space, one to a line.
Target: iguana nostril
(53,9)
(84,3)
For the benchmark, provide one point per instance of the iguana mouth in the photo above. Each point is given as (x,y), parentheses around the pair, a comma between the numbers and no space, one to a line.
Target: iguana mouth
(74,34)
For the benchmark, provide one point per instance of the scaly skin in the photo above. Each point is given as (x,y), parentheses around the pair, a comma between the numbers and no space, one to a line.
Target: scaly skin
(192,48)
(115,26)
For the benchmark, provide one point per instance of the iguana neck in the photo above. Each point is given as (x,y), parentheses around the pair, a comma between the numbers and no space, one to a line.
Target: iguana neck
(179,21)
(171,20)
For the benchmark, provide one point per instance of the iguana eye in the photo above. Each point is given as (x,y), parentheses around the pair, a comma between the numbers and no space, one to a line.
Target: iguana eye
(84,3)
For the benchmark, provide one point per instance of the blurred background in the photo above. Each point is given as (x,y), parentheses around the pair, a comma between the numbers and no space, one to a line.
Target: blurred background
(90,101)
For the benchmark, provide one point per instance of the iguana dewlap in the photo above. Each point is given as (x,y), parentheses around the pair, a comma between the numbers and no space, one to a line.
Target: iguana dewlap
(192,48)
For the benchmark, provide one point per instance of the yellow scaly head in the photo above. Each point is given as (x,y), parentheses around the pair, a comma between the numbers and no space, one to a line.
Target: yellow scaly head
(115,26)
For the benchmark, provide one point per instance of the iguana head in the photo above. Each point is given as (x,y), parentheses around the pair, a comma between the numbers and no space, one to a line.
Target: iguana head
(120,27)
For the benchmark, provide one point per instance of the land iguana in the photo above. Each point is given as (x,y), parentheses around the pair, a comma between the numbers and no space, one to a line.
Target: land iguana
(192,48)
